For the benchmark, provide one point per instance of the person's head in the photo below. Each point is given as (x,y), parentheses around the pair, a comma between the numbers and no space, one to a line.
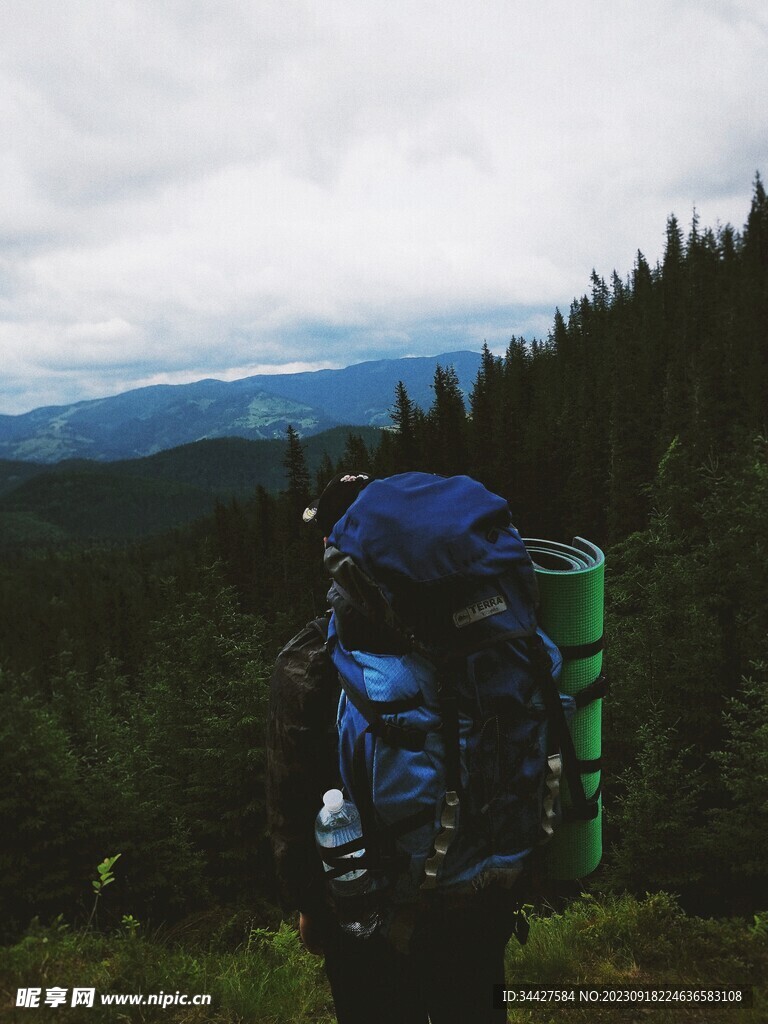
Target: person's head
(326,510)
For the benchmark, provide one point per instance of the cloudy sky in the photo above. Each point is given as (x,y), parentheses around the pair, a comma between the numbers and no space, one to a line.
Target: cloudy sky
(212,188)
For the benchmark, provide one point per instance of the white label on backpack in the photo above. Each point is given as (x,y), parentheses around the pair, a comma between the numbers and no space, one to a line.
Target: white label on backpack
(481,610)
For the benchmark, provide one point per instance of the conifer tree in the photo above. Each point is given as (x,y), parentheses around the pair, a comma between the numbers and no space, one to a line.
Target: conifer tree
(756,229)
(356,456)
(293,499)
(750,351)
(672,269)
(384,459)
(297,474)
(486,418)
(404,417)
(447,424)
(325,472)
(513,428)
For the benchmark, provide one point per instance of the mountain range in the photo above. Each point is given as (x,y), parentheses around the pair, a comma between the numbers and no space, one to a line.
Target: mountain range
(149,420)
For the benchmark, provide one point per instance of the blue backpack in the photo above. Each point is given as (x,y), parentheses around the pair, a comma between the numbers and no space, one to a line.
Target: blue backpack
(451,731)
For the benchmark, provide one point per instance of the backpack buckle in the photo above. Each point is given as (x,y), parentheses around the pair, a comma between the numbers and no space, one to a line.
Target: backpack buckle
(443,839)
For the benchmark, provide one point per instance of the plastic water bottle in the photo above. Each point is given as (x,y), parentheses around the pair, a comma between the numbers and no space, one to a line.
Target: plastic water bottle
(338,822)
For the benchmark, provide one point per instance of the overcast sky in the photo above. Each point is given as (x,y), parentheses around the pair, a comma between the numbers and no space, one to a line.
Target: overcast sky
(212,188)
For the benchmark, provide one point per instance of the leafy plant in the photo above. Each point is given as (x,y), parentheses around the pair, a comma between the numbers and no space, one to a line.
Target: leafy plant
(99,884)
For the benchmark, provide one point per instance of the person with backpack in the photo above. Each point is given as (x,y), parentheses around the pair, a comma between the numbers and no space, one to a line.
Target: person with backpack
(429,697)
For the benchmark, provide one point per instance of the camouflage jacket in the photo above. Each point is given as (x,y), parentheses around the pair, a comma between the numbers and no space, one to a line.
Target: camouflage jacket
(302,762)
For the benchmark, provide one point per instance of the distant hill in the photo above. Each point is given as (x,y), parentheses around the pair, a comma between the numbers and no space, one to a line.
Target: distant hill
(148,420)
(81,500)
(13,474)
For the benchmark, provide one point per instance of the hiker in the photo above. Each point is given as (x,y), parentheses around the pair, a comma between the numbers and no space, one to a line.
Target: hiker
(442,956)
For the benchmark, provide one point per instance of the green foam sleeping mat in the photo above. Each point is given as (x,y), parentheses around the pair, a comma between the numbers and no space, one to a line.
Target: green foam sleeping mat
(570,578)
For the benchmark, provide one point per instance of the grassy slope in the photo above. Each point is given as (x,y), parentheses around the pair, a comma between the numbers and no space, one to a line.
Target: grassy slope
(260,975)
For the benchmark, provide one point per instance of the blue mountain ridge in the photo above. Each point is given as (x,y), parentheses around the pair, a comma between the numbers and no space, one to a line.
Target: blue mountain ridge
(148,420)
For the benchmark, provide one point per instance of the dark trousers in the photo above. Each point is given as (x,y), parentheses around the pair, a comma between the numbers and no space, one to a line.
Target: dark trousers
(456,957)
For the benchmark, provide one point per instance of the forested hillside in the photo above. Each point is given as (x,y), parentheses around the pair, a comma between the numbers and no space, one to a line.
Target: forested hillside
(134,678)
(81,500)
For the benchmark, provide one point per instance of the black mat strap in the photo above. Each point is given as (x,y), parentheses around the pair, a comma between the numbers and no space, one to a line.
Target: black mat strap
(574,652)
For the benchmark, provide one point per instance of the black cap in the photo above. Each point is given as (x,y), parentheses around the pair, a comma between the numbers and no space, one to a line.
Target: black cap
(326,510)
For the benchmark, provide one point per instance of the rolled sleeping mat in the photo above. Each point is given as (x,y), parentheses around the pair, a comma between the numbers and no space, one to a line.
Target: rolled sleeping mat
(570,578)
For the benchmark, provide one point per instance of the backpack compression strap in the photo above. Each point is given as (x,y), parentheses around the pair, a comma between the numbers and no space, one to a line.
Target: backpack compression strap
(448,697)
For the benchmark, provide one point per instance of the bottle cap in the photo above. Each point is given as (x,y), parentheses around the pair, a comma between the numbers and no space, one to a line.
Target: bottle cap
(333,800)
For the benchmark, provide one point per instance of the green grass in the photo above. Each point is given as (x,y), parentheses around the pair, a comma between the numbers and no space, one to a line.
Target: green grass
(622,942)
(269,978)
(264,976)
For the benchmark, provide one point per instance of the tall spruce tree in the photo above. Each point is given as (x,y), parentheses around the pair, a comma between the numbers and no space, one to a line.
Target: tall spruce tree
(297,474)
(404,418)
(486,418)
(356,456)
(447,424)
(753,314)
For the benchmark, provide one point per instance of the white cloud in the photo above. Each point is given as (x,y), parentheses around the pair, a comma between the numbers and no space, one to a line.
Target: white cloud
(190,189)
